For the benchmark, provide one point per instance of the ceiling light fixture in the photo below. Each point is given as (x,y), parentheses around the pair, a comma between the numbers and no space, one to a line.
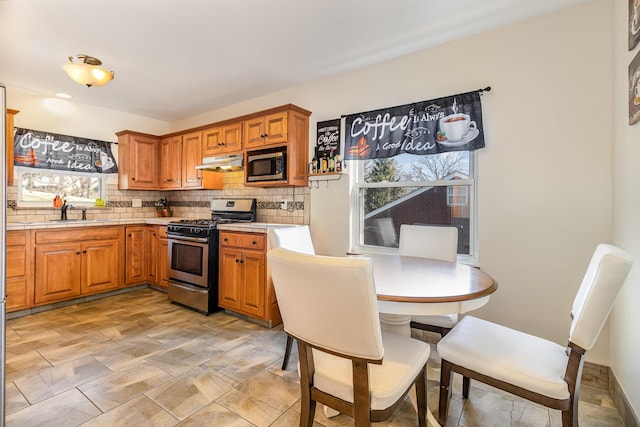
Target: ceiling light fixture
(88,72)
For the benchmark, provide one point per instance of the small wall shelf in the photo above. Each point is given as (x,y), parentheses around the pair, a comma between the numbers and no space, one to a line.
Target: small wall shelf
(329,176)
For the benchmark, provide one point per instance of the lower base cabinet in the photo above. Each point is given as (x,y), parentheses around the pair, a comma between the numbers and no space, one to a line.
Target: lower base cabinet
(244,284)
(75,262)
(19,271)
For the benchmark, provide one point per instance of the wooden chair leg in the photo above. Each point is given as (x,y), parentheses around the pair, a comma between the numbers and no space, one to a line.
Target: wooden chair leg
(307,404)
(465,387)
(445,391)
(287,353)
(421,397)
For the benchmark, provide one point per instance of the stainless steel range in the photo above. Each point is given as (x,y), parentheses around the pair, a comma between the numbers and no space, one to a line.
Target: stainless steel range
(193,253)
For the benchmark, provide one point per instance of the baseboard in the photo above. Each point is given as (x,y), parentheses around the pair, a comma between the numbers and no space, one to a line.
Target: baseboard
(629,417)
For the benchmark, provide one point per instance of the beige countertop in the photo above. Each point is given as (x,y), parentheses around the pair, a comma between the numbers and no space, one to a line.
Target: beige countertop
(252,227)
(26,225)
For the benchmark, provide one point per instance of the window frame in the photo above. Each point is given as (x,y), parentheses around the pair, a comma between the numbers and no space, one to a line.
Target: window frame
(357,207)
(20,170)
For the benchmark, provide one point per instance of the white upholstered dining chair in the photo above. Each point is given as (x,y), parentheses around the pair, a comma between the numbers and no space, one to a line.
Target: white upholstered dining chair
(528,366)
(346,362)
(436,242)
(298,239)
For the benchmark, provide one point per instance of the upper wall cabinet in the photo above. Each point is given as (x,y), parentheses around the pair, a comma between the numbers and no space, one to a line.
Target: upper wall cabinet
(286,127)
(265,130)
(171,163)
(191,157)
(9,139)
(138,161)
(222,139)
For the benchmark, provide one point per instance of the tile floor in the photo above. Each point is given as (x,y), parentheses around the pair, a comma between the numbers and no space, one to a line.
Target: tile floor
(137,360)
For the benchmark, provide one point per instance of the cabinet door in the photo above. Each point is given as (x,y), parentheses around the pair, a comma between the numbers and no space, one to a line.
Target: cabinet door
(144,163)
(254,132)
(163,262)
(254,283)
(191,157)
(99,266)
(232,138)
(275,127)
(19,290)
(171,162)
(212,141)
(57,274)
(152,254)
(230,283)
(135,255)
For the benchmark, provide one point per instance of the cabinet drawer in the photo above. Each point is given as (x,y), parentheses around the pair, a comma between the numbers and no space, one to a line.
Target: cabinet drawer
(78,234)
(243,240)
(16,238)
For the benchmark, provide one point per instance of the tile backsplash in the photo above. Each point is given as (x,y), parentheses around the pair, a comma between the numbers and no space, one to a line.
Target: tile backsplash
(184,204)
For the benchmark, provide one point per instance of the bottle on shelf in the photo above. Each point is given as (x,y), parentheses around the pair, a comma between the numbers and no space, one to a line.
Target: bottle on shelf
(332,162)
(324,164)
(338,163)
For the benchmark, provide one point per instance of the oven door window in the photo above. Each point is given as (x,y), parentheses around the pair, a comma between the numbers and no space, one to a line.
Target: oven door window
(189,262)
(187,258)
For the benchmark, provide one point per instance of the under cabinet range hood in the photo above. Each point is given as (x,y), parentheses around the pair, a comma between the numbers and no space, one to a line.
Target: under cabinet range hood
(225,163)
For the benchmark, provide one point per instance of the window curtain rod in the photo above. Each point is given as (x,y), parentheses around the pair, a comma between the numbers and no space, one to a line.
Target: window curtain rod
(486,89)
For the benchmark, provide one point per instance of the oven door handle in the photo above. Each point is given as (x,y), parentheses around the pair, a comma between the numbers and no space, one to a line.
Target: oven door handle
(189,239)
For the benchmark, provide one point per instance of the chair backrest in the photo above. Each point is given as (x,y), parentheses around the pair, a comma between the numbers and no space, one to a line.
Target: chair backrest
(294,238)
(428,241)
(329,302)
(594,300)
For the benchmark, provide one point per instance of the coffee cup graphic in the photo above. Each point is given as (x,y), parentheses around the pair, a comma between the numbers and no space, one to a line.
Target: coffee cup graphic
(456,126)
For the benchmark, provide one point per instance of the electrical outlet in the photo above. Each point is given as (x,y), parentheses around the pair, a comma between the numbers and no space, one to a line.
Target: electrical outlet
(283,205)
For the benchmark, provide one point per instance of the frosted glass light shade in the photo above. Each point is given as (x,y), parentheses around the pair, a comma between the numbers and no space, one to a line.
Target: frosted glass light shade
(88,72)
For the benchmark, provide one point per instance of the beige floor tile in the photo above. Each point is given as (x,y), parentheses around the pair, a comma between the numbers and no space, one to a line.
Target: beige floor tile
(140,411)
(70,408)
(131,329)
(24,365)
(14,400)
(128,352)
(216,415)
(253,410)
(69,350)
(242,362)
(192,391)
(118,387)
(274,390)
(49,382)
(184,357)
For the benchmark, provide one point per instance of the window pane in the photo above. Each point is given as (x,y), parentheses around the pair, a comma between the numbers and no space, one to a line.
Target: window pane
(412,168)
(43,187)
(386,209)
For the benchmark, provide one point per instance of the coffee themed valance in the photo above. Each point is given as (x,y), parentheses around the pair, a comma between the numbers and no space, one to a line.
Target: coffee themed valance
(45,150)
(453,123)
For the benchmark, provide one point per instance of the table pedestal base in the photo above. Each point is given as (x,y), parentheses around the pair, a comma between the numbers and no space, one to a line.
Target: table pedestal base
(396,323)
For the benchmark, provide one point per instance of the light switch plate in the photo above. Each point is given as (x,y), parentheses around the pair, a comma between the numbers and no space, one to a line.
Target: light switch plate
(136,203)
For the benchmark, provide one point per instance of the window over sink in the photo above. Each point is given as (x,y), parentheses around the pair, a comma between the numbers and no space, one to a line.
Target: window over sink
(434,189)
(38,187)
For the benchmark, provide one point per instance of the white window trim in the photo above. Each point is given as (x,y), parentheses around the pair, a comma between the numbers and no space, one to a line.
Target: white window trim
(357,170)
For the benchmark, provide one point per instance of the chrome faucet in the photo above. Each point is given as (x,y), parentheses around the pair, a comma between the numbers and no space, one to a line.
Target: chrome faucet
(63,210)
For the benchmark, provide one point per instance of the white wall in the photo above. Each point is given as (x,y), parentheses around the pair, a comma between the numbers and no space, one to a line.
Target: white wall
(545,175)
(625,346)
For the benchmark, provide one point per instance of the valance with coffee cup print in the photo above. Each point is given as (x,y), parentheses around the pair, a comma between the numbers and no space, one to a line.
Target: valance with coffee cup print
(453,123)
(45,150)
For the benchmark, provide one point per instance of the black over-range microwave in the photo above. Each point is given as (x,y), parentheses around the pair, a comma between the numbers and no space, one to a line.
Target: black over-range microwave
(267,165)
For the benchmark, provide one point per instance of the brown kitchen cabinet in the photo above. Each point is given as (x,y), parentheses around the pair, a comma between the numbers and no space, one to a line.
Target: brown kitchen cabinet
(223,139)
(19,270)
(191,157)
(158,256)
(75,262)
(266,130)
(171,163)
(243,284)
(9,131)
(286,127)
(136,255)
(138,161)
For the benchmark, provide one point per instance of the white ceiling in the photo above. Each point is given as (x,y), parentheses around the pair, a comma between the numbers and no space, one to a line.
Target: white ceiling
(177,58)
